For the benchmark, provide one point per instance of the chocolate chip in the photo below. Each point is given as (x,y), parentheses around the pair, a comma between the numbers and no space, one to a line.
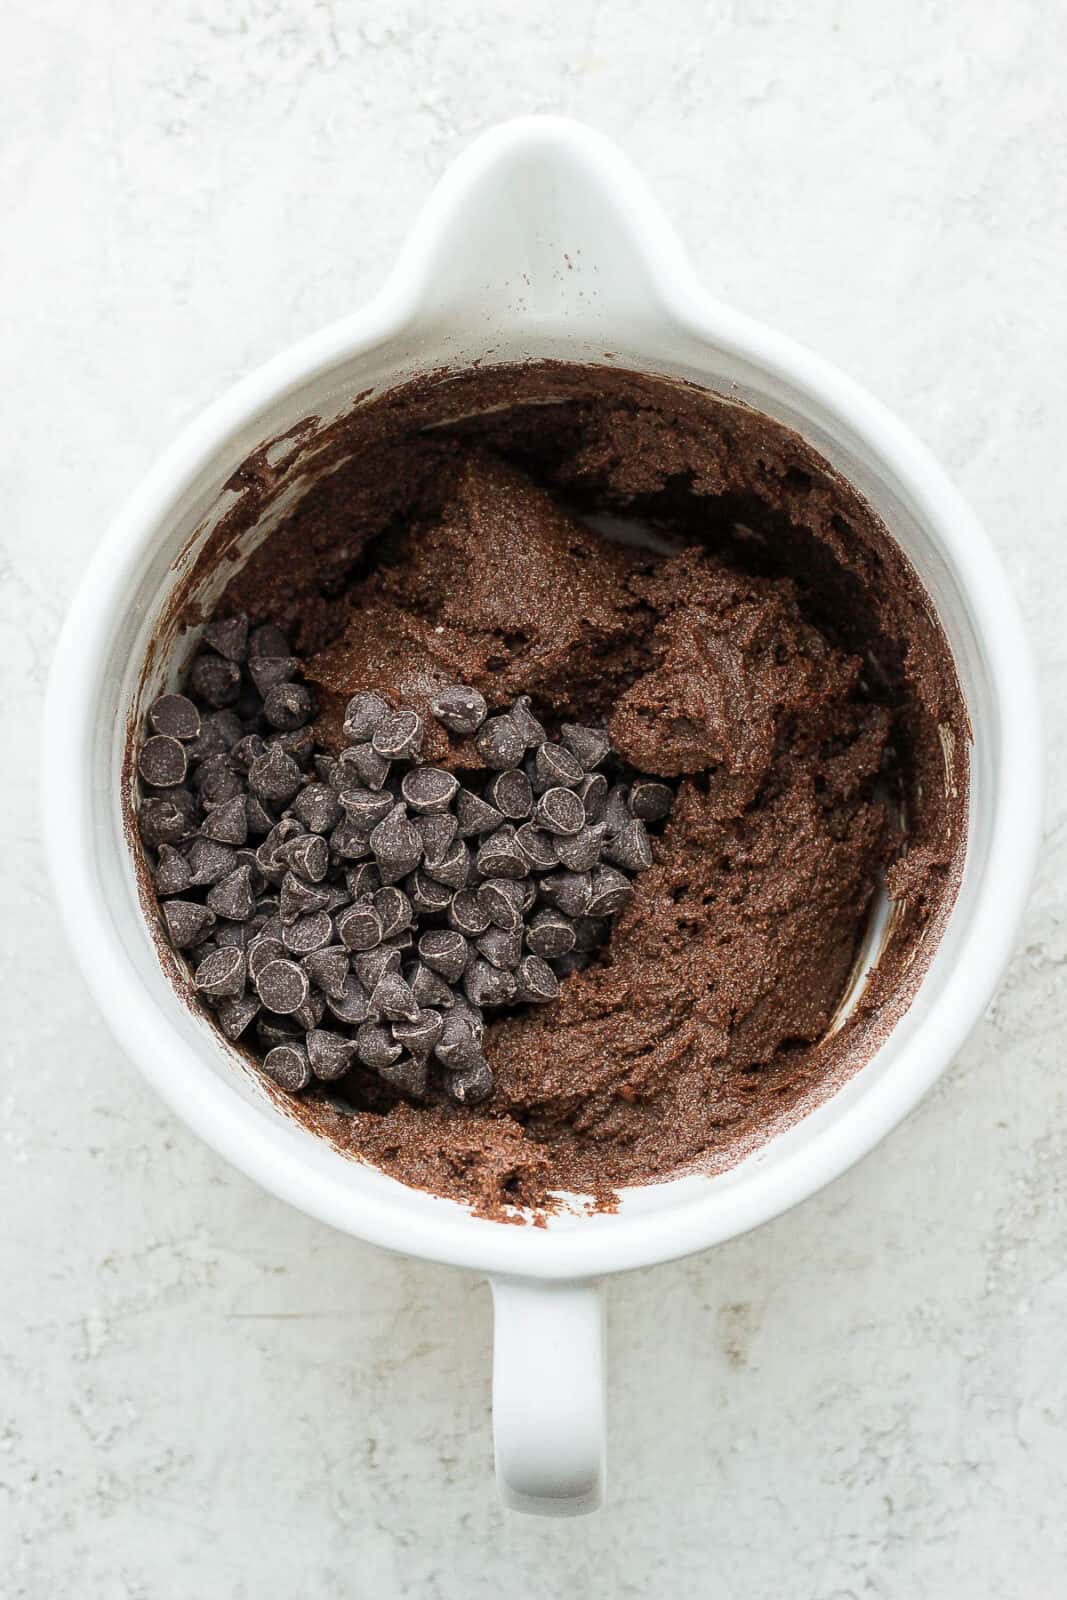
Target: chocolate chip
(560,811)
(555,767)
(364,713)
(327,969)
(362,880)
(398,737)
(236,1013)
(537,846)
(289,1067)
(499,743)
(617,808)
(162,761)
(300,899)
(569,891)
(590,746)
(531,731)
(409,1076)
(429,790)
(160,821)
(452,869)
(267,640)
(229,636)
(313,932)
(428,987)
(349,841)
(472,1084)
(486,985)
(375,1046)
(227,822)
(247,749)
(581,851)
(537,983)
(465,913)
(215,680)
(186,922)
(360,927)
(459,708)
(173,874)
(610,890)
(649,800)
(282,986)
(330,1054)
(421,1034)
(372,965)
(501,900)
(176,716)
(436,835)
(257,816)
(287,706)
(350,1003)
(365,765)
(221,975)
(210,862)
(228,725)
(274,776)
(511,793)
(458,1046)
(593,793)
(630,847)
(308,856)
(474,815)
(499,856)
(317,807)
(395,845)
(394,909)
(365,808)
(463,1008)
(500,947)
(267,672)
(262,950)
(216,780)
(549,934)
(444,950)
(232,896)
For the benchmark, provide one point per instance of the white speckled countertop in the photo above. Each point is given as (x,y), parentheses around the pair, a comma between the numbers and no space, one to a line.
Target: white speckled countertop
(204,1395)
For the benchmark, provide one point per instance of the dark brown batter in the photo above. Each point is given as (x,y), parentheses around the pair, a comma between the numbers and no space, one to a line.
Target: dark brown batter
(774,653)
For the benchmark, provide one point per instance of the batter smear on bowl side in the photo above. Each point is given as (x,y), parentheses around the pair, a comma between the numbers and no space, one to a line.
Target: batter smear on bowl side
(707,711)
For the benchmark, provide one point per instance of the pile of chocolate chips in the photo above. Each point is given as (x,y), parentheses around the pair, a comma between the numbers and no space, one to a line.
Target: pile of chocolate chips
(370,908)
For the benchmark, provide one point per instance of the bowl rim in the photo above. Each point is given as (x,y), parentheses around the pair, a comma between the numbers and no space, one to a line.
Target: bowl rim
(451,1234)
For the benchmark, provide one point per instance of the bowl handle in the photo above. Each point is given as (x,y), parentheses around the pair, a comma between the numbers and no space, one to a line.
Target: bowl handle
(548,1396)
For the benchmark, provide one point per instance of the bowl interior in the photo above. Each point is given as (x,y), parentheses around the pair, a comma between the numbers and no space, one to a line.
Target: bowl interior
(208,1081)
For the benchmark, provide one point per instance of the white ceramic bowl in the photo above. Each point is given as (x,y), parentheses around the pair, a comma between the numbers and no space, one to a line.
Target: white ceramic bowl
(541,241)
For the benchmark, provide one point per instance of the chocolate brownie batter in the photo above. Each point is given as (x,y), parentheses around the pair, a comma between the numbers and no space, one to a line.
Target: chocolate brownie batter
(748,631)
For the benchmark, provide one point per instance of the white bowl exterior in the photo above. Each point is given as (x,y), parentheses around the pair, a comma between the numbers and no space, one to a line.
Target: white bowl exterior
(540,242)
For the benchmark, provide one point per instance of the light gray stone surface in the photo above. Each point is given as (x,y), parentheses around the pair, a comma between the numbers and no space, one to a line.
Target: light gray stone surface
(202,1393)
